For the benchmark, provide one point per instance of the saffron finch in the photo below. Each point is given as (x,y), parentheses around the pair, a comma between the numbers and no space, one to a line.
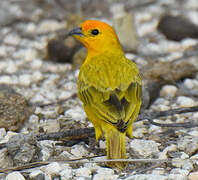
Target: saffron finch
(109,85)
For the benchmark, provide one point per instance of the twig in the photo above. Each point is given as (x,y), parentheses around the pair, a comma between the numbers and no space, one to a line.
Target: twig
(154,115)
(89,132)
(80,161)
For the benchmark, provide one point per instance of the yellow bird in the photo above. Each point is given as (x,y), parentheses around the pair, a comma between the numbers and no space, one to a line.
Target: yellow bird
(109,85)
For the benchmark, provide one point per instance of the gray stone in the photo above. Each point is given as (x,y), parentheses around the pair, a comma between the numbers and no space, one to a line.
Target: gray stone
(144,148)
(15,176)
(188,144)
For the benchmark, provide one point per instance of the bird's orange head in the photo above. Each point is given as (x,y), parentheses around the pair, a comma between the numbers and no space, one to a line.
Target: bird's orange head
(97,37)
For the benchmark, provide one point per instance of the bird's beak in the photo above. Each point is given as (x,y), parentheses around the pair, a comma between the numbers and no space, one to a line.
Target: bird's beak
(76,31)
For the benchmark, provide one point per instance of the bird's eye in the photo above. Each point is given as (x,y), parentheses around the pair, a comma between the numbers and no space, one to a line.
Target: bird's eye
(94,32)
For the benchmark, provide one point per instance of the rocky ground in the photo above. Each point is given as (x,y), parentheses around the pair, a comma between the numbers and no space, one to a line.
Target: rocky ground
(38,92)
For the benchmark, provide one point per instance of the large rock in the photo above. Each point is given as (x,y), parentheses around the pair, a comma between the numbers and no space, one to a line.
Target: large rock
(14,108)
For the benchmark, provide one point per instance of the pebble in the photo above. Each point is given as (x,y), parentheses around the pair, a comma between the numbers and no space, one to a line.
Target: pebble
(25,79)
(36,175)
(178,174)
(2,133)
(66,174)
(188,144)
(49,26)
(83,172)
(185,101)
(144,148)
(105,174)
(163,154)
(76,113)
(36,64)
(15,176)
(147,177)
(52,169)
(193,176)
(5,160)
(47,149)
(168,91)
(189,83)
(79,151)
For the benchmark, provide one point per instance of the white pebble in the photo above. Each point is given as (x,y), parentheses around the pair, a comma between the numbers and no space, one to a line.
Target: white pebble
(147,177)
(37,76)
(163,154)
(76,113)
(35,173)
(25,79)
(105,174)
(12,39)
(5,79)
(2,133)
(66,174)
(79,151)
(63,95)
(15,176)
(168,90)
(29,55)
(83,172)
(144,148)
(52,169)
(185,101)
(36,64)
(49,26)
(189,83)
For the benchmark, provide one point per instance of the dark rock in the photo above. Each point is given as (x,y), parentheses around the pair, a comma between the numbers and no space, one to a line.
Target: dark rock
(22,148)
(177,28)
(14,108)
(62,51)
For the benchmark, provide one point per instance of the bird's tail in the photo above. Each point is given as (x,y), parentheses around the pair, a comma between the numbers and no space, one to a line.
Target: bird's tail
(115,141)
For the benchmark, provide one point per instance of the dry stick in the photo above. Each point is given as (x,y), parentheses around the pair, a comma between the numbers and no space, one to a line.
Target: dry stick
(154,115)
(82,161)
(144,116)
(79,161)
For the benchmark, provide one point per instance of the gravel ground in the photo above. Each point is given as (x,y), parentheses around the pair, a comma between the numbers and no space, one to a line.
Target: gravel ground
(50,87)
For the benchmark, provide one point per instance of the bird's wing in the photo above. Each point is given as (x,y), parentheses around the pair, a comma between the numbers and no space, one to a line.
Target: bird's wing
(116,106)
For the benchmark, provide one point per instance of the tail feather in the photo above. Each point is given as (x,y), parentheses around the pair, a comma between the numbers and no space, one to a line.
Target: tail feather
(115,141)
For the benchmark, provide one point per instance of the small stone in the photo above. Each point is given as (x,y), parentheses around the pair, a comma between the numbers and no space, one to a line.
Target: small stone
(147,177)
(2,133)
(163,154)
(83,172)
(76,114)
(37,175)
(21,148)
(105,174)
(49,26)
(189,83)
(178,174)
(124,25)
(168,90)
(36,64)
(66,174)
(25,79)
(15,176)
(144,148)
(185,101)
(14,108)
(5,79)
(188,144)
(52,169)
(29,55)
(47,149)
(79,151)
(193,176)
(5,160)
(37,76)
